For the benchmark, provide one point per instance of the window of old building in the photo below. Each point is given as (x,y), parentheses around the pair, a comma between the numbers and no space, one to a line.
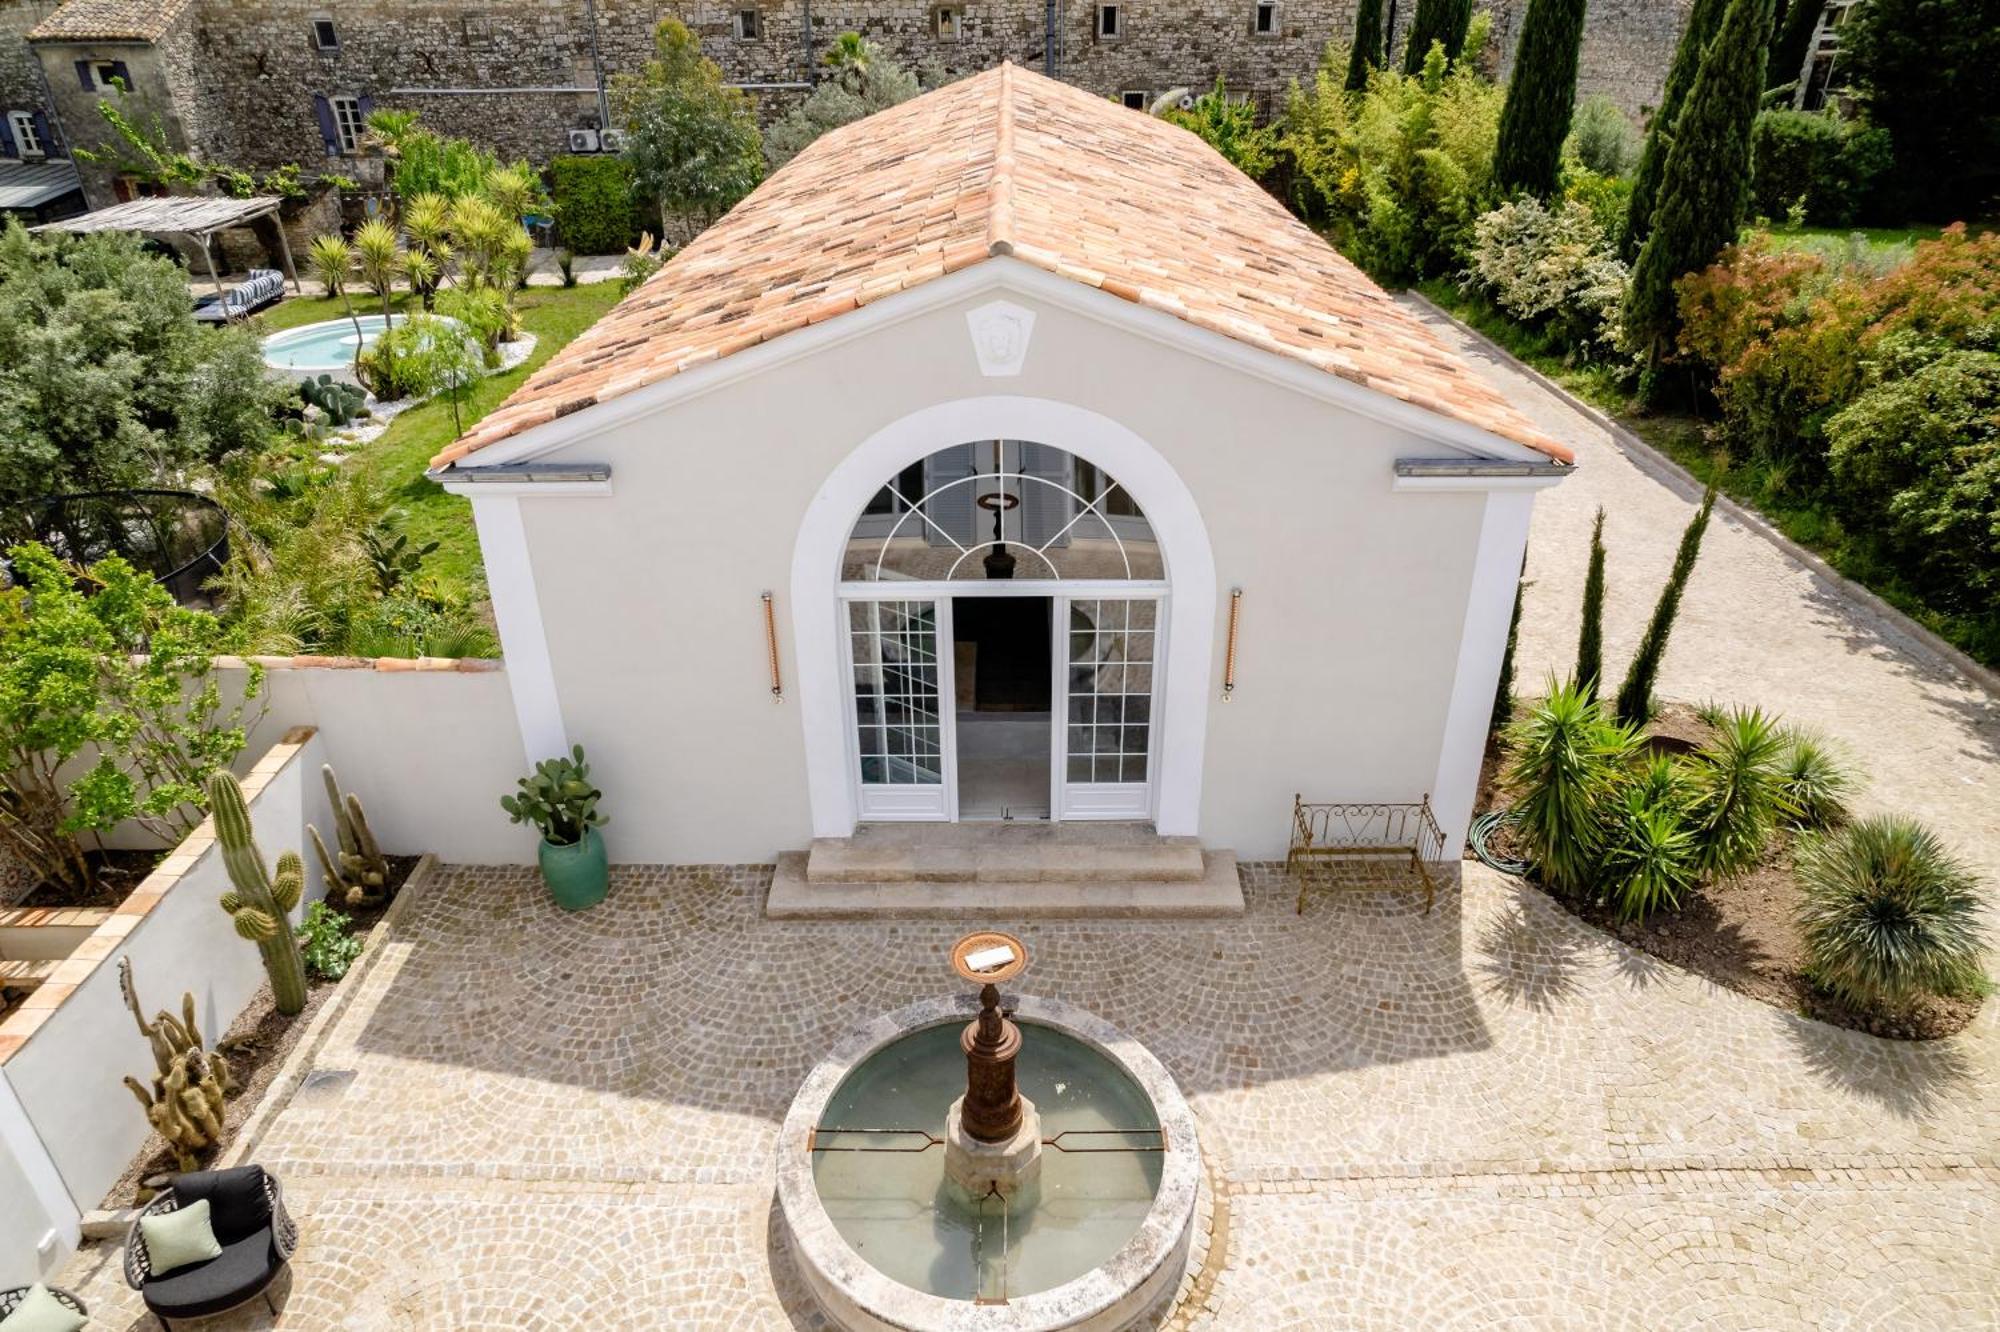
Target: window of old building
(110,74)
(1108,21)
(1266,21)
(27,136)
(1134,98)
(348,122)
(324,36)
(949,20)
(748,28)
(478,31)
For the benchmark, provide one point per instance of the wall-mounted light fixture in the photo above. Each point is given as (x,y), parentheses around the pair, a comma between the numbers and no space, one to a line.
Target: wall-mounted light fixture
(1229,657)
(771,648)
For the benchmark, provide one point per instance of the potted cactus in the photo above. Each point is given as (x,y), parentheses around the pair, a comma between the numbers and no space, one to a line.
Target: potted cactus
(559,800)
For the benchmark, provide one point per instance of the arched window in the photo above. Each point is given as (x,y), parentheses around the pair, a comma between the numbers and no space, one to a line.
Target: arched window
(1002,509)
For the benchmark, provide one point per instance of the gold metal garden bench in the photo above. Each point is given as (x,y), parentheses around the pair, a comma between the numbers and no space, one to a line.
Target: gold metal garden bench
(1363,830)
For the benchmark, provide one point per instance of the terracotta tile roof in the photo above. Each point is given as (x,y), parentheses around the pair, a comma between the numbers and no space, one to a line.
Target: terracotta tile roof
(109,20)
(1009,163)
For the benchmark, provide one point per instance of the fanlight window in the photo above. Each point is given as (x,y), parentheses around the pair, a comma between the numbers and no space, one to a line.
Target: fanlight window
(1002,509)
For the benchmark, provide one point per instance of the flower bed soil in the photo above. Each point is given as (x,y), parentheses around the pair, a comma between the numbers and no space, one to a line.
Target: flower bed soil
(117,874)
(256,1046)
(1741,933)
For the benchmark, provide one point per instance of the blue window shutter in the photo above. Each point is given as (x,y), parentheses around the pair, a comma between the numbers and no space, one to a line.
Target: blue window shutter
(7,147)
(327,131)
(367,105)
(83,75)
(122,74)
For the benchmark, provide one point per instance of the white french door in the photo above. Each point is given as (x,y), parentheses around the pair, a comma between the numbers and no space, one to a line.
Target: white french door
(1106,683)
(899,657)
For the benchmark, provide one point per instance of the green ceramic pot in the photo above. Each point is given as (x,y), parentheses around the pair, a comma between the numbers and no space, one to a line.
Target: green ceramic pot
(577,875)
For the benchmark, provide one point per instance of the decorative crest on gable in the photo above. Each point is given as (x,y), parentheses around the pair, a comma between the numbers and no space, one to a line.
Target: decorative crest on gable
(1000,333)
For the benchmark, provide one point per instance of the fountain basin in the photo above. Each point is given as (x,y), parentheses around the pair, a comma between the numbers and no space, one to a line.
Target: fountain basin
(883,1241)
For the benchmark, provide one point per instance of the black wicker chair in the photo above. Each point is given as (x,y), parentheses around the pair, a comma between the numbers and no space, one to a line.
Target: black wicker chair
(10,1300)
(247,1210)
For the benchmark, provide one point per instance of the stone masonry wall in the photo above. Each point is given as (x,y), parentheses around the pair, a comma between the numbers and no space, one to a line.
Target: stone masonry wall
(20,73)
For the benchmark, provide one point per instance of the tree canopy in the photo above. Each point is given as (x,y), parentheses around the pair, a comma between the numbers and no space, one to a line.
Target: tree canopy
(1540,99)
(1928,72)
(692,140)
(864,81)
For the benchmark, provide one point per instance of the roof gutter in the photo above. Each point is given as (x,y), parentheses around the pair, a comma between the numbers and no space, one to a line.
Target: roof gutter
(1474,473)
(555,480)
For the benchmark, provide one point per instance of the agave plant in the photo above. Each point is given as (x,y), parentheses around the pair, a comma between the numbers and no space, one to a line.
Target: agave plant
(1888,913)
(1816,783)
(1738,791)
(1565,759)
(1649,852)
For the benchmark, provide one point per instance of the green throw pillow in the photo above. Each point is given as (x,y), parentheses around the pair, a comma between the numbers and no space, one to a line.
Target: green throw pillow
(40,1311)
(178,1238)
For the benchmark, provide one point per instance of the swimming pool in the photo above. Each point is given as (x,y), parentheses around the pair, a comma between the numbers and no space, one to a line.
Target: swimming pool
(326,348)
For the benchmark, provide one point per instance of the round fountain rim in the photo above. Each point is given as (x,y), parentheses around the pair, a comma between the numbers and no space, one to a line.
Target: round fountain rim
(1133,1280)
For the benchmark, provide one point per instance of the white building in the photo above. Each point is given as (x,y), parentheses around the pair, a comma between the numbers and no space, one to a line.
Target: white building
(1006,327)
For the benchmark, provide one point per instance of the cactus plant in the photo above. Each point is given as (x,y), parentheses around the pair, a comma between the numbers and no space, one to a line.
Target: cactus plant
(357,875)
(261,902)
(558,799)
(341,403)
(184,1104)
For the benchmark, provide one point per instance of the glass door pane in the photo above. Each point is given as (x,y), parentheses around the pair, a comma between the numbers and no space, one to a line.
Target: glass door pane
(1108,689)
(900,725)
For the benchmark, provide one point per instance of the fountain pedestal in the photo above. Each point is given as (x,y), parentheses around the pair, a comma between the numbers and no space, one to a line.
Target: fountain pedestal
(993,1137)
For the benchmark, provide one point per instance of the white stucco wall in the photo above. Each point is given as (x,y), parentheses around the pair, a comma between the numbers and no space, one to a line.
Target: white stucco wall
(1354,595)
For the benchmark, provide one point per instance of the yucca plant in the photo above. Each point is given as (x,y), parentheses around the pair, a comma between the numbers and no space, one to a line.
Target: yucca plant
(1564,762)
(1649,856)
(1816,783)
(332,261)
(1737,788)
(1888,914)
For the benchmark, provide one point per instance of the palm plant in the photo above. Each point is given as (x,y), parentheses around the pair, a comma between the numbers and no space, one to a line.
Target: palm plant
(332,262)
(1565,758)
(1888,914)
(1738,791)
(1649,852)
(514,192)
(427,227)
(378,256)
(1816,783)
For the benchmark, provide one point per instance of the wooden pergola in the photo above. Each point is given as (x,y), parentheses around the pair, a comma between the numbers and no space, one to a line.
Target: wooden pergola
(196,217)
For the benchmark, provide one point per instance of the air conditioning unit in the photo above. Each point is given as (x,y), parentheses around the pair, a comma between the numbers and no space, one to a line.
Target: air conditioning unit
(1186,102)
(613,140)
(583,141)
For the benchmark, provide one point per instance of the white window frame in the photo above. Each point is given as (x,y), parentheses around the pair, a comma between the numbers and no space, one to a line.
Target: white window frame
(948,22)
(27,142)
(1257,13)
(347,128)
(1116,29)
(748,24)
(331,28)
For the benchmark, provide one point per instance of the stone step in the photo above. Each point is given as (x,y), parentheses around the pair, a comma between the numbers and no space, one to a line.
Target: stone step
(20,975)
(1005,853)
(794,896)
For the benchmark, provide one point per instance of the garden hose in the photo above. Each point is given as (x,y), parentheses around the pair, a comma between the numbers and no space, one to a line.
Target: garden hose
(1483,828)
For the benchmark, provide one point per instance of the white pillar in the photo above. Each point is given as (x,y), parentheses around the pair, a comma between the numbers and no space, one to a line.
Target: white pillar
(517,609)
(40,1230)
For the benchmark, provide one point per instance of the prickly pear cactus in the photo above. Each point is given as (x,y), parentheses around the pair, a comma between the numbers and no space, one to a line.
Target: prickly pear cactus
(259,904)
(184,1104)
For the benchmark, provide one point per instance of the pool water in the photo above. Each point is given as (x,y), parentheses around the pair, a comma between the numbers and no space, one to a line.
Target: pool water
(899,1213)
(323,347)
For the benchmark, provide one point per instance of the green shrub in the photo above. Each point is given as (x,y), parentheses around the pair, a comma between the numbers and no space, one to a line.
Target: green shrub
(1608,198)
(597,211)
(485,313)
(864,80)
(1888,914)
(1830,163)
(1565,759)
(1601,138)
(1230,127)
(424,353)
(1552,268)
(1649,852)
(1916,461)
(1737,791)
(328,947)
(1816,784)
(416,625)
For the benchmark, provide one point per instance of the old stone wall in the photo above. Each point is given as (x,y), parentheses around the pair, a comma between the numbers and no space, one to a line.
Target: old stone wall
(20,73)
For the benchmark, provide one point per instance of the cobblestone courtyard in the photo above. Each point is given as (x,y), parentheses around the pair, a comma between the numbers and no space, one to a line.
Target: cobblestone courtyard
(1492,1115)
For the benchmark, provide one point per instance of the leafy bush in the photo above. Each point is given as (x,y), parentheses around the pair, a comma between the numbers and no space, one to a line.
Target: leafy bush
(486,314)
(1829,163)
(864,81)
(1888,914)
(1737,791)
(1230,127)
(1916,460)
(1565,759)
(324,939)
(1609,199)
(597,210)
(1601,138)
(1399,174)
(418,625)
(99,665)
(1650,854)
(106,381)
(1553,268)
(424,354)
(692,139)
(1815,783)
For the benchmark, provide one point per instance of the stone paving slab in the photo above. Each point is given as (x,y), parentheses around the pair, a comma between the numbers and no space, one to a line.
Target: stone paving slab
(1491,1114)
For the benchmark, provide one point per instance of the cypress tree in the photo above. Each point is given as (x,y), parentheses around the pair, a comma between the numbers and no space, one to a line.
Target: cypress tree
(1366,54)
(1705,186)
(1503,695)
(1635,696)
(1703,19)
(1790,37)
(1541,96)
(1436,21)
(1590,638)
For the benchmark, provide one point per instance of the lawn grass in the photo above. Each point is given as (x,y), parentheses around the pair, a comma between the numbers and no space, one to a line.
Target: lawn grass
(1878,248)
(1685,439)
(396,460)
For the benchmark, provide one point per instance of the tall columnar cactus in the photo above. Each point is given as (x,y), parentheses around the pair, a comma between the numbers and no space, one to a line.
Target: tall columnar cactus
(261,904)
(184,1104)
(357,874)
